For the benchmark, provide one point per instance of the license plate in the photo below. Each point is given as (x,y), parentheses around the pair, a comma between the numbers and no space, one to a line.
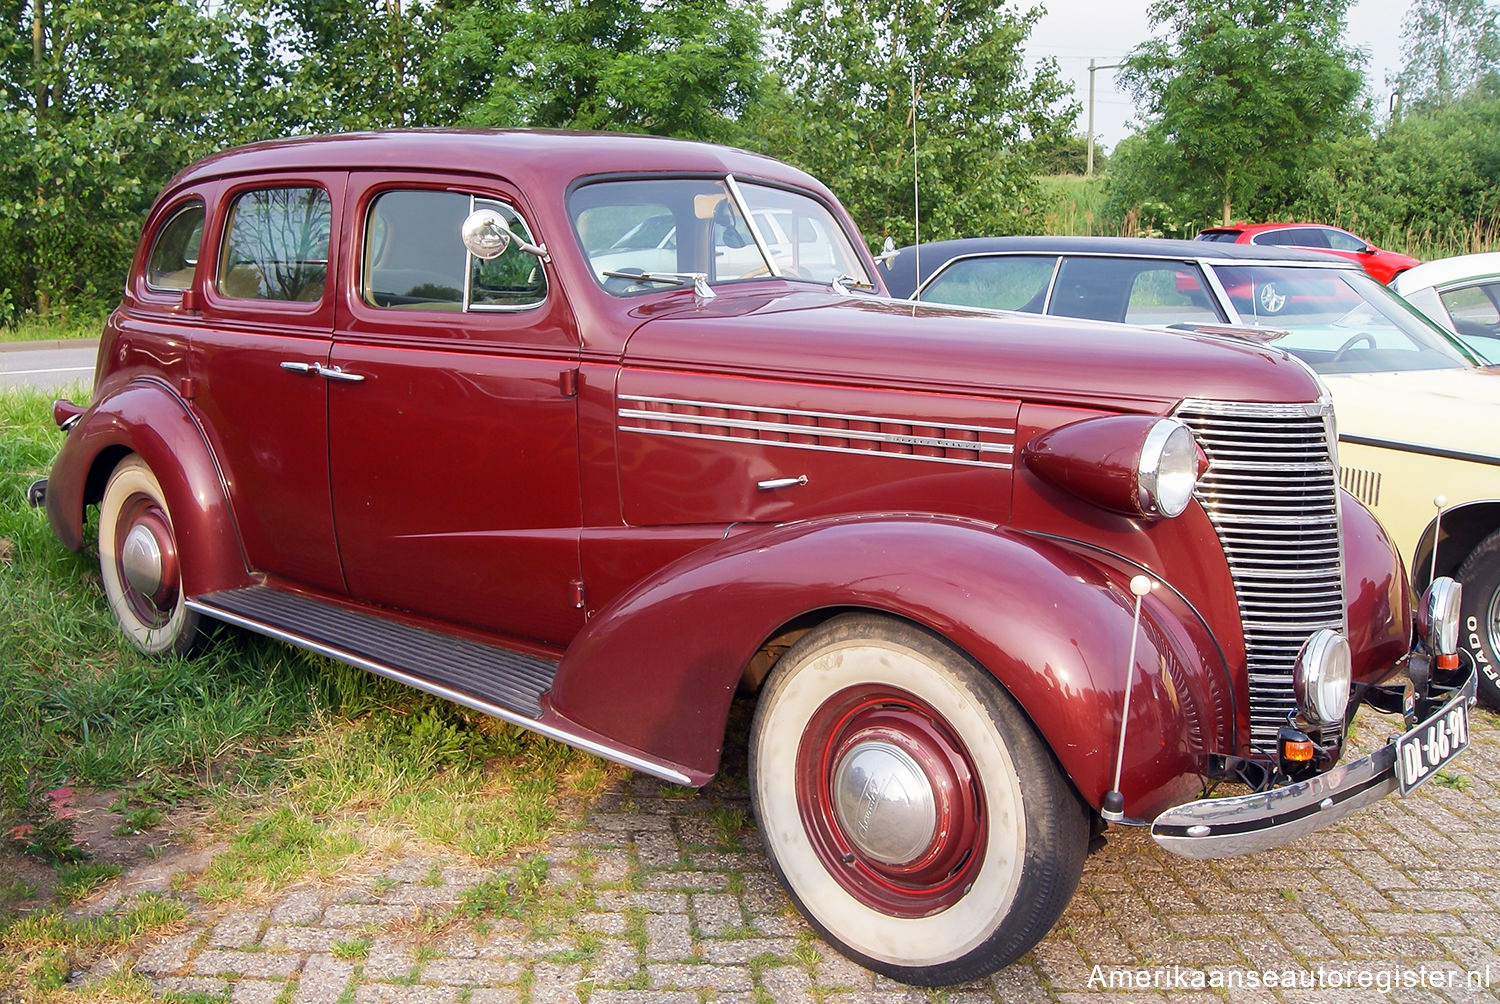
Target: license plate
(1431,745)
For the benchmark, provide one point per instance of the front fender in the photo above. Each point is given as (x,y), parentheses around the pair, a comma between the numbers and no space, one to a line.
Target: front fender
(147,418)
(657,669)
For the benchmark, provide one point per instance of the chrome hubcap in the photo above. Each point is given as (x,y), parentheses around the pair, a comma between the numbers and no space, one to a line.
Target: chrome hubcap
(884,802)
(141,561)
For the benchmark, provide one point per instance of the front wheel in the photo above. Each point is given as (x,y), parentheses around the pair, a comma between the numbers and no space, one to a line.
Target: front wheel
(1480,609)
(139,562)
(908,805)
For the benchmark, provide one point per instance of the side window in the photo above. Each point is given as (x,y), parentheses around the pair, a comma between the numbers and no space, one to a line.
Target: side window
(1479,304)
(414,258)
(1277,238)
(276,245)
(1004,282)
(1340,241)
(174,255)
(1170,295)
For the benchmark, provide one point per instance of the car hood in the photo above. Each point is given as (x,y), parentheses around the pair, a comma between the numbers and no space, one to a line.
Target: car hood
(874,341)
(1447,409)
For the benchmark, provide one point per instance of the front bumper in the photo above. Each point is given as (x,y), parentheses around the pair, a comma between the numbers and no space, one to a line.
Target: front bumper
(1243,824)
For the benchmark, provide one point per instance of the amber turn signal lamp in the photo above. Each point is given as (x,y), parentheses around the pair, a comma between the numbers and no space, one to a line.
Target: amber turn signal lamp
(1297,750)
(1449,661)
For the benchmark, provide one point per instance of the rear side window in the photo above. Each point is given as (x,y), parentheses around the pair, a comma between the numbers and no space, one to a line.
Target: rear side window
(174,256)
(1003,282)
(1170,294)
(276,245)
(414,257)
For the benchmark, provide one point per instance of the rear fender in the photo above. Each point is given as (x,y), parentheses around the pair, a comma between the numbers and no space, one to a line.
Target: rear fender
(147,418)
(657,669)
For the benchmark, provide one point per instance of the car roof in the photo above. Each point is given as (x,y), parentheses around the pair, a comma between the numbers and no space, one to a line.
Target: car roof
(902,278)
(525,154)
(1447,270)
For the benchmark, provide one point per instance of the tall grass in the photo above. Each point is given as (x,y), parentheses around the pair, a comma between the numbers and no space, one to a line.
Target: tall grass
(283,742)
(60,324)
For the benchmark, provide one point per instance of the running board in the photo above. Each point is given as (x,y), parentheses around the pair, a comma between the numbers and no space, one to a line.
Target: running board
(485,677)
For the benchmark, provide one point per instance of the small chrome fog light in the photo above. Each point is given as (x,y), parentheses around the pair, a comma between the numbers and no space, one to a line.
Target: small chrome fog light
(1321,679)
(1438,618)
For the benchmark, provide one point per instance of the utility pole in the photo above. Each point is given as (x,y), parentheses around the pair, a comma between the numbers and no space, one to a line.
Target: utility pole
(1092,67)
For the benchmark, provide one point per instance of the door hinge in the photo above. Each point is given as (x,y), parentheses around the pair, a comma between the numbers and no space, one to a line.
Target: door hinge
(567,382)
(576,587)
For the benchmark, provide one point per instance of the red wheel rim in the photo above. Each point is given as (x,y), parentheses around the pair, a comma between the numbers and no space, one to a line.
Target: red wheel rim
(925,878)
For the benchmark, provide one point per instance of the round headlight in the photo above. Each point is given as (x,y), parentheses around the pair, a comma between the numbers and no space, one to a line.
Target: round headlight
(1168,469)
(1321,681)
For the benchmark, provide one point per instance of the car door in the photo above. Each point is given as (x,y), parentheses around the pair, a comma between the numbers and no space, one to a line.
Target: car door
(267,324)
(453,426)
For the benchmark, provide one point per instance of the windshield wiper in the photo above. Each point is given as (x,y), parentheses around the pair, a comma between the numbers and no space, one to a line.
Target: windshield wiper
(698,279)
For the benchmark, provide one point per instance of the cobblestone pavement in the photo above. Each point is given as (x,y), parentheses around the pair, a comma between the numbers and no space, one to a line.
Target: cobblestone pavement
(643,902)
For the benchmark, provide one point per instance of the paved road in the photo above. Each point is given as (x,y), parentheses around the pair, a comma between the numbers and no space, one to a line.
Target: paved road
(646,903)
(47,366)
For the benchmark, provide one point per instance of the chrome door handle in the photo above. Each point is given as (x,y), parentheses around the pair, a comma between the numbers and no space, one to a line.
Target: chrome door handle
(775,483)
(334,373)
(298,367)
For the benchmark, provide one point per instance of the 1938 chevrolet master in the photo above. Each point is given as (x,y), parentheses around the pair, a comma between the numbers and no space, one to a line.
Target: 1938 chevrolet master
(589,431)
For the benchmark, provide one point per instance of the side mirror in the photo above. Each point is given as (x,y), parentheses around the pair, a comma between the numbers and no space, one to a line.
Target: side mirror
(487,236)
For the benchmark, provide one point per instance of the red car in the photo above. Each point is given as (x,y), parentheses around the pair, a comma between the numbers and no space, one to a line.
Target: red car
(1383,265)
(410,401)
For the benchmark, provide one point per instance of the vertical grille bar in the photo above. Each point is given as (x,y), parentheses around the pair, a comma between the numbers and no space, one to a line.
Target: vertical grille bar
(1271,492)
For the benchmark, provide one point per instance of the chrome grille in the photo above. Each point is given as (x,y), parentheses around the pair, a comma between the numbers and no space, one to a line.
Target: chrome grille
(1271,492)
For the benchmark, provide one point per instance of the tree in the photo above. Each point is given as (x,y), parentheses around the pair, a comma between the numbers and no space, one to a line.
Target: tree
(1247,93)
(686,68)
(858,81)
(105,99)
(1447,46)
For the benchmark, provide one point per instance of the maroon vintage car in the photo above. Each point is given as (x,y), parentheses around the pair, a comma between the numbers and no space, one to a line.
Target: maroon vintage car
(588,432)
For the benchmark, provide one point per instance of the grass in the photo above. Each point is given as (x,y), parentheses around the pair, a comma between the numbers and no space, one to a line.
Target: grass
(62,324)
(296,763)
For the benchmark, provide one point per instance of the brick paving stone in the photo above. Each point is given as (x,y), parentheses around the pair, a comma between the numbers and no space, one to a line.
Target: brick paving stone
(612,865)
(705,977)
(388,959)
(554,984)
(692,881)
(787,984)
(305,939)
(212,961)
(301,906)
(398,993)
(192,985)
(168,956)
(742,950)
(716,914)
(324,978)
(668,937)
(367,914)
(615,962)
(237,930)
(495,995)
(657,849)
(256,991)
(471,972)
(644,997)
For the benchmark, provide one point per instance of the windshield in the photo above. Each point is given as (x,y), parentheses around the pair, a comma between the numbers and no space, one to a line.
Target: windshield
(1338,320)
(653,234)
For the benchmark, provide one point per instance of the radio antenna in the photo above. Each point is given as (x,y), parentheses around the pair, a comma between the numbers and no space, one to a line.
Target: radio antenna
(916,202)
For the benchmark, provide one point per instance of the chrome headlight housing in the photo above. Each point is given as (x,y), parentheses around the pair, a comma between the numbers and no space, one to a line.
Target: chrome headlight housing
(1168,469)
(1438,619)
(1140,465)
(1322,677)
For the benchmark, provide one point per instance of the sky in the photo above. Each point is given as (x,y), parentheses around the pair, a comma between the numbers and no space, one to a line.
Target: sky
(1073,31)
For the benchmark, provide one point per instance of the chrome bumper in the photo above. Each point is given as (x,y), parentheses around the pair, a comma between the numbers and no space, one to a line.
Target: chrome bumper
(1243,824)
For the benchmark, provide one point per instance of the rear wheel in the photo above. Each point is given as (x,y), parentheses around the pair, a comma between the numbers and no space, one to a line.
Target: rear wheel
(139,562)
(907,804)
(1480,629)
